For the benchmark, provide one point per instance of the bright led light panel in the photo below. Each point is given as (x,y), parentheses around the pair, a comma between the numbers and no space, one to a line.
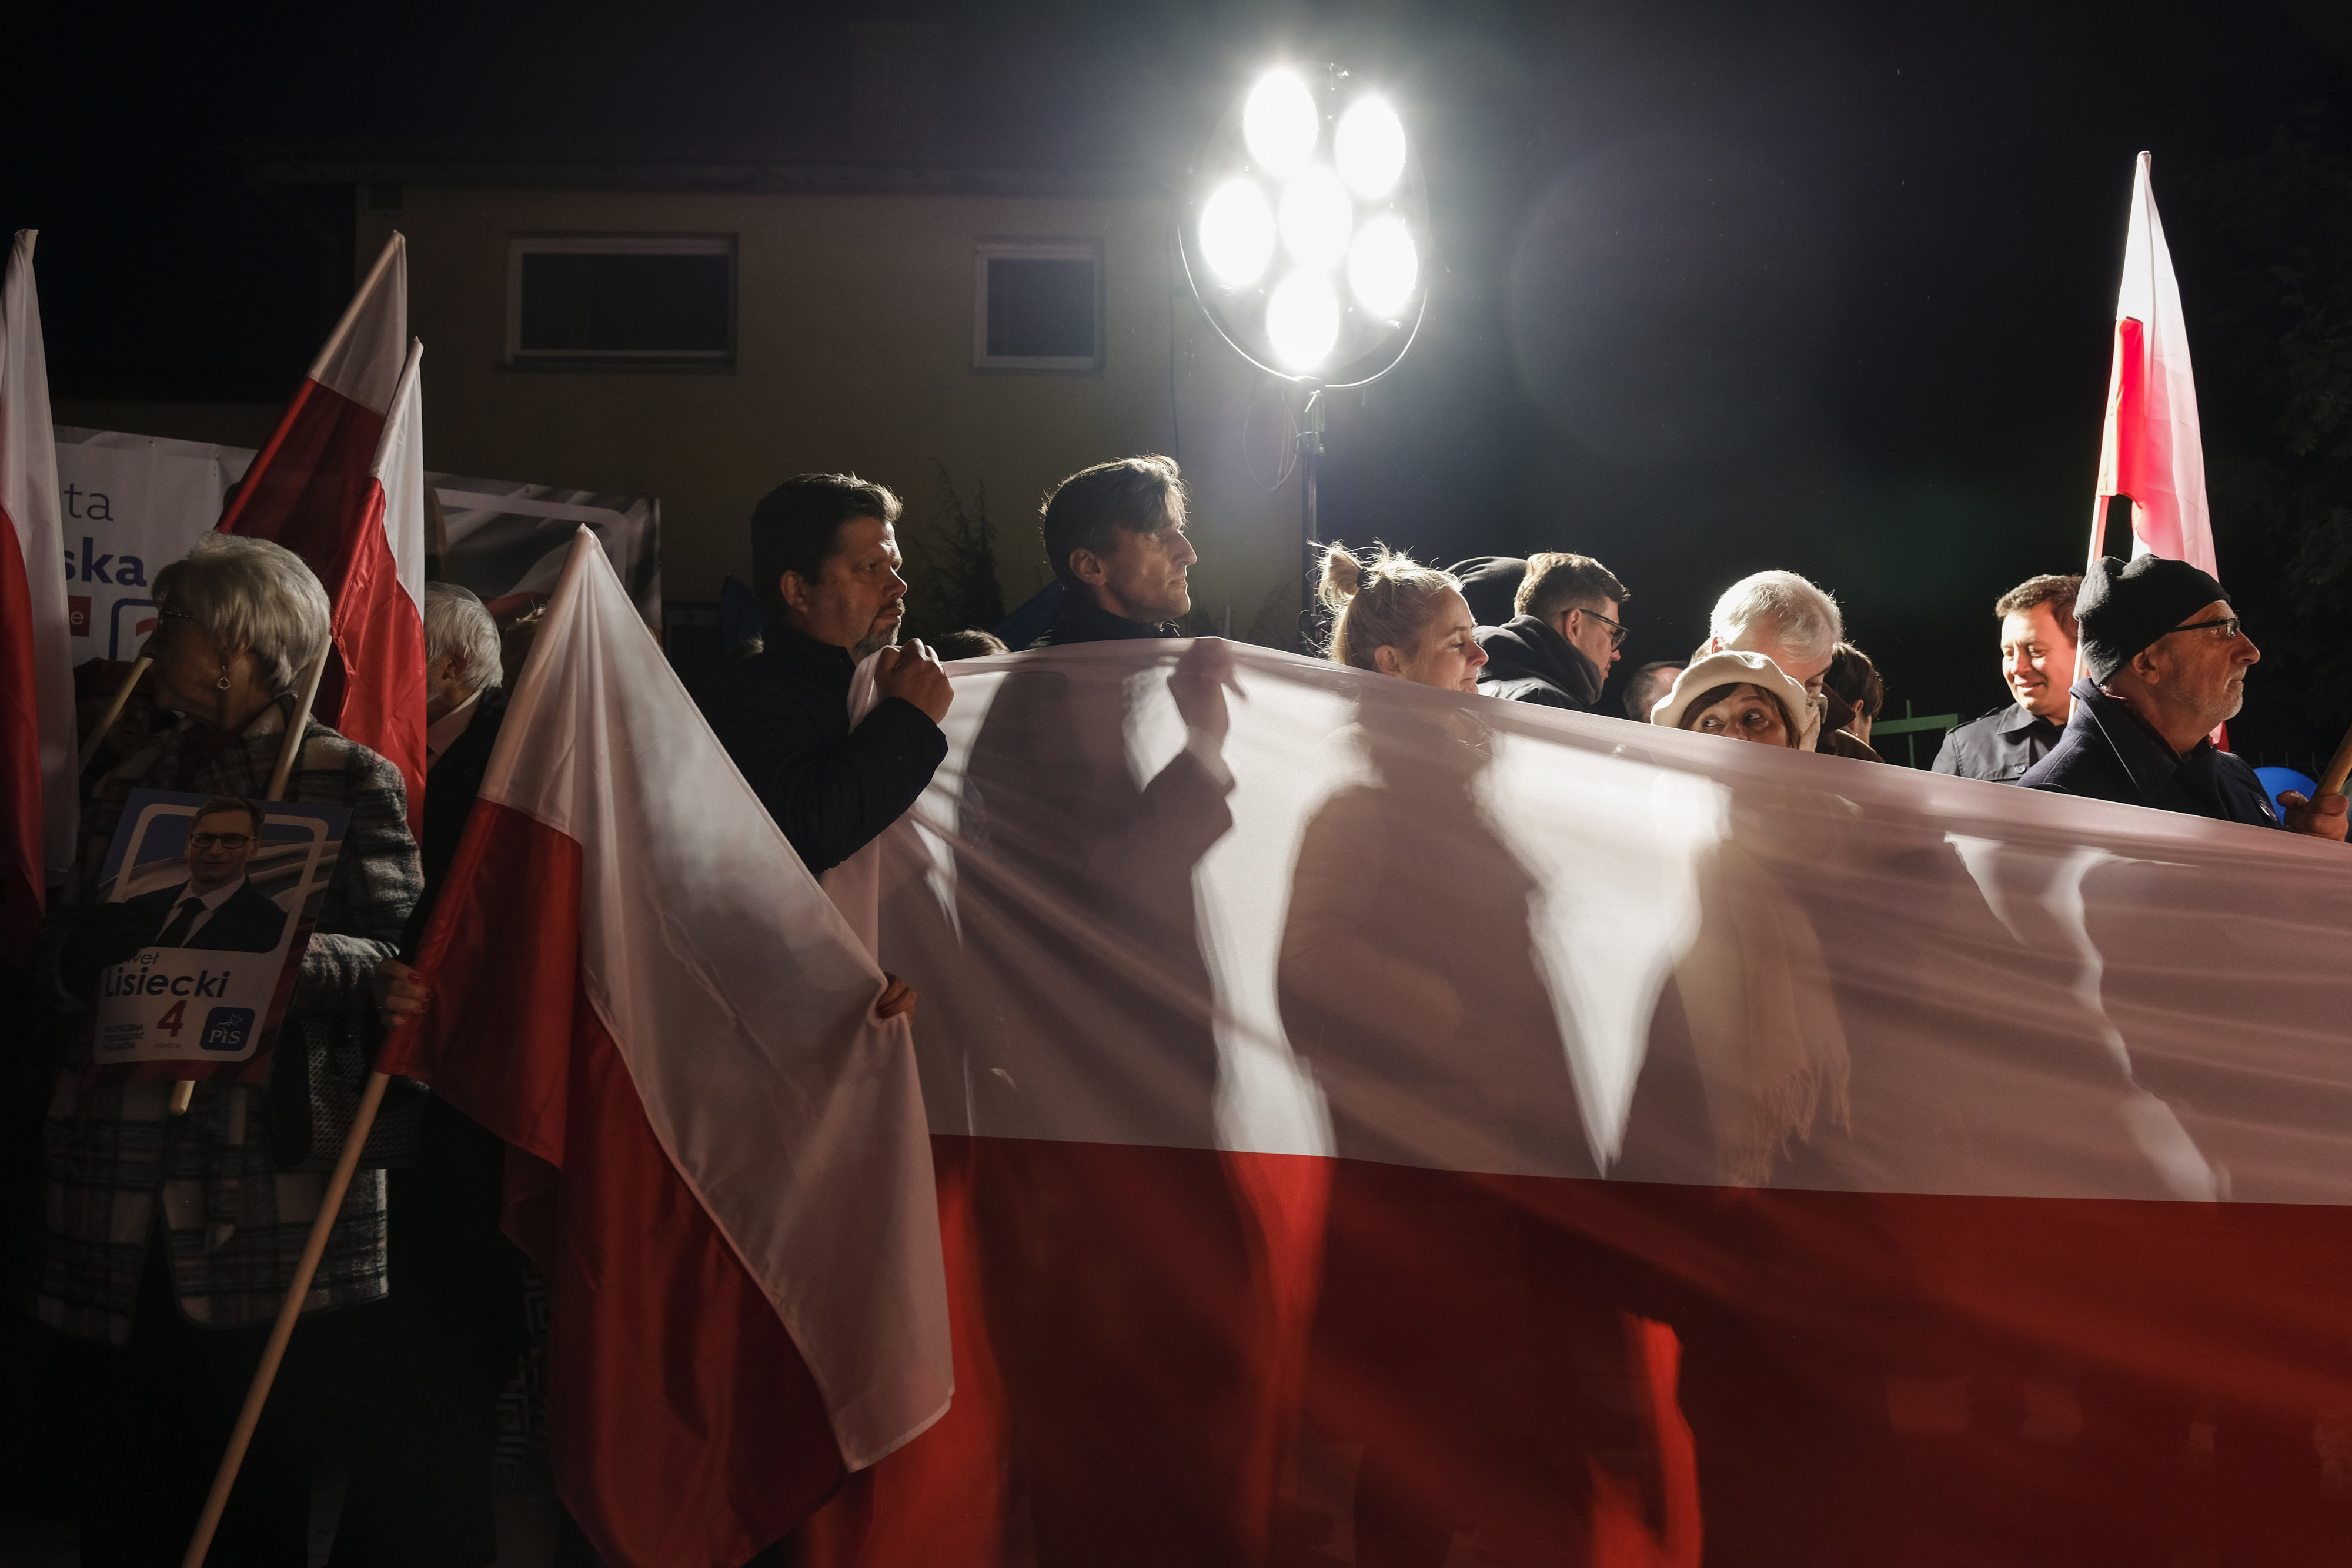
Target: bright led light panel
(1302,321)
(1316,217)
(1383,265)
(1237,233)
(1281,124)
(1369,146)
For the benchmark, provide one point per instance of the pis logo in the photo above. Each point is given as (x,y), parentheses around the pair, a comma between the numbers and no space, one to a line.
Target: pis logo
(227,1028)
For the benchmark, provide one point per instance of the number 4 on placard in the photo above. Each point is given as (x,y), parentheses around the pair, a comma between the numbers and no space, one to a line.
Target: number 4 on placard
(170,1022)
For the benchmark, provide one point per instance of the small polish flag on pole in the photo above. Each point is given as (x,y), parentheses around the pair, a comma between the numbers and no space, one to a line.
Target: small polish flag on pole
(341,484)
(2150,451)
(36,701)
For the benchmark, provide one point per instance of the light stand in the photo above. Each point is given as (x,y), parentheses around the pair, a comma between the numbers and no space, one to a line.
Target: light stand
(1310,458)
(1303,242)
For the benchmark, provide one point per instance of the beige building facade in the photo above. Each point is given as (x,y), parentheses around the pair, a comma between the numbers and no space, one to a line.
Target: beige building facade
(858,342)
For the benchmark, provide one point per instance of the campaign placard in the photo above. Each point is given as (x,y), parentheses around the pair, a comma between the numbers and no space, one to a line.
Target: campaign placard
(214,896)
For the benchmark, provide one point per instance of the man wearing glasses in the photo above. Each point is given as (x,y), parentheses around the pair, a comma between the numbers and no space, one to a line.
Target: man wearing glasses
(1558,649)
(2163,662)
(216,909)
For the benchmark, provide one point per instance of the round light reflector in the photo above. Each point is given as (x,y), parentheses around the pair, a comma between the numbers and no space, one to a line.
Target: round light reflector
(1369,146)
(1302,321)
(1383,265)
(1237,233)
(1316,218)
(1280,123)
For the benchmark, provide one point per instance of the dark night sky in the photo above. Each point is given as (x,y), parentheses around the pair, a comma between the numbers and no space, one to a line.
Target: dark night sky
(1726,286)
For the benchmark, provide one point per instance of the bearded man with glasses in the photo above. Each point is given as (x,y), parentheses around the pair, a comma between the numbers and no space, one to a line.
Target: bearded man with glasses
(1558,649)
(2163,662)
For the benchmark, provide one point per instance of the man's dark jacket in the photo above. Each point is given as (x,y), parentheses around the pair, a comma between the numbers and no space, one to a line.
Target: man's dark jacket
(451,785)
(1527,661)
(248,920)
(1999,747)
(419,1488)
(1084,620)
(783,716)
(2109,753)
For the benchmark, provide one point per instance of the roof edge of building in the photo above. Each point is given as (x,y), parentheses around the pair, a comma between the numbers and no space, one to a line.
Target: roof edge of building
(761,176)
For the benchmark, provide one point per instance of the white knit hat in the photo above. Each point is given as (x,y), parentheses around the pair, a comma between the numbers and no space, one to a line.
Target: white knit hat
(1705,674)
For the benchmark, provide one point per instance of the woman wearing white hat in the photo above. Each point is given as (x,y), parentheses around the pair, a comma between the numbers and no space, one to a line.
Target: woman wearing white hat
(1743,696)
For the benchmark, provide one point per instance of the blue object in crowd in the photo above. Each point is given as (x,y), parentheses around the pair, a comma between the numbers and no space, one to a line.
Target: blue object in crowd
(2277,781)
(740,620)
(1033,619)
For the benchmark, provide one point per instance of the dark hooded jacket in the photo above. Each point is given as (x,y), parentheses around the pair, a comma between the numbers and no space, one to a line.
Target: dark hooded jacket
(1084,620)
(2110,753)
(783,716)
(1527,661)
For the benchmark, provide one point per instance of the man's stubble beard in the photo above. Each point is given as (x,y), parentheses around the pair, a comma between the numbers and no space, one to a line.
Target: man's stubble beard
(878,636)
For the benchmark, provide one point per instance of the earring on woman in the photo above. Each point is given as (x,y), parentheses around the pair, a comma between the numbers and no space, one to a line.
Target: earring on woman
(223,683)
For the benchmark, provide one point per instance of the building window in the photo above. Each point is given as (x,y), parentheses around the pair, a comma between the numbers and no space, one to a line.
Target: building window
(1038,306)
(621,302)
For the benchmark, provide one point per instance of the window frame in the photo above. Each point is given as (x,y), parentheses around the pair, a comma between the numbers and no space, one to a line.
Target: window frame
(518,358)
(1037,249)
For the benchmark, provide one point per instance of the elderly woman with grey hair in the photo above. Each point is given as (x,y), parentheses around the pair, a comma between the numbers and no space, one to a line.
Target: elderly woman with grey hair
(170,1240)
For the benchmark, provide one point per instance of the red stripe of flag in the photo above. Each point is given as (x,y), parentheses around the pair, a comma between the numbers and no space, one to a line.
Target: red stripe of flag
(318,489)
(687,1428)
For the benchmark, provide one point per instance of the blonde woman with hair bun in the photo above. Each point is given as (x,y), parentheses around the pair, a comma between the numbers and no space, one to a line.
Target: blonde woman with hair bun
(1396,617)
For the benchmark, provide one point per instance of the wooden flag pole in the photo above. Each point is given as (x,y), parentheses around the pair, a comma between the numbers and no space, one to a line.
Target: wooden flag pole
(113,711)
(184,1092)
(291,746)
(330,1203)
(2339,768)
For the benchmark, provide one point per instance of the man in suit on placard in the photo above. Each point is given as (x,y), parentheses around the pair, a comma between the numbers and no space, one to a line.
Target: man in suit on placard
(216,909)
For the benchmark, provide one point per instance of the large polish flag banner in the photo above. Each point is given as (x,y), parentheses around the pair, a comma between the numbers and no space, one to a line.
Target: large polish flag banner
(36,704)
(1428,1129)
(2151,450)
(341,484)
(720,1158)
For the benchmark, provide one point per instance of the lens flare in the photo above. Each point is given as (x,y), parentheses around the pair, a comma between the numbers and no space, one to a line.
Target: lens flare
(1383,265)
(1316,218)
(1281,123)
(1369,146)
(1302,321)
(1237,233)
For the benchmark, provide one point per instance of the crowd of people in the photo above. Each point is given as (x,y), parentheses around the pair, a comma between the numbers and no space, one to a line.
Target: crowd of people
(169,1239)
(2163,660)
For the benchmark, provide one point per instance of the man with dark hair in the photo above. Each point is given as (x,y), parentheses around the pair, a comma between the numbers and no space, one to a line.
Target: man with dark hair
(826,562)
(2037,660)
(972,643)
(1490,586)
(1049,789)
(1558,649)
(1115,538)
(2164,662)
(1852,694)
(1645,685)
(217,907)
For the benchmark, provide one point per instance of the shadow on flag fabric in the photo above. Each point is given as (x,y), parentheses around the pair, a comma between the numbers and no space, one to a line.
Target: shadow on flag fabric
(36,701)
(1424,1128)
(341,484)
(719,1158)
